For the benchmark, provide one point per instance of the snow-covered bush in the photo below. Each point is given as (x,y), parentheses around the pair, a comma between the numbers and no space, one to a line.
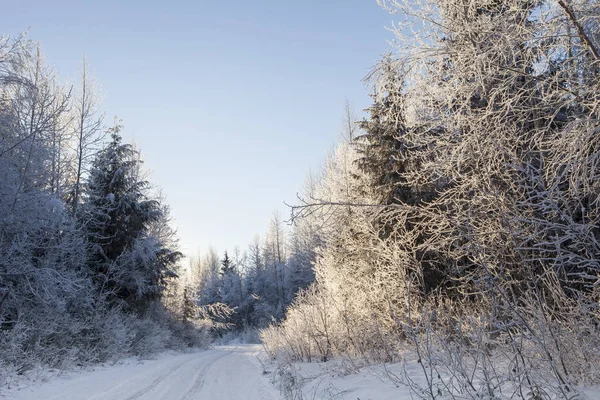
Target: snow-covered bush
(503,350)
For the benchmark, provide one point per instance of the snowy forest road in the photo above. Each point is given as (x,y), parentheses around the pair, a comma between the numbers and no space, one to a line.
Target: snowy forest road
(225,372)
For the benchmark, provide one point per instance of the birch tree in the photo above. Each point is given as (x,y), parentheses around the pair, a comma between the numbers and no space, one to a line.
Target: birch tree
(87,124)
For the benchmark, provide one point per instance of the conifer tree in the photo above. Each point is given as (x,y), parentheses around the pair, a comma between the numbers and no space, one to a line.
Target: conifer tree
(227,266)
(382,146)
(128,262)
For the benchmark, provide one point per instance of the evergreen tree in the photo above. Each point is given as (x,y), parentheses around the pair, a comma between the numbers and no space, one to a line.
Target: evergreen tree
(388,156)
(381,146)
(128,262)
(227,266)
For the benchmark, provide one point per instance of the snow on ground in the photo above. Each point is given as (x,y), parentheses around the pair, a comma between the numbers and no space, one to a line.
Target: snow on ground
(341,380)
(225,372)
(228,372)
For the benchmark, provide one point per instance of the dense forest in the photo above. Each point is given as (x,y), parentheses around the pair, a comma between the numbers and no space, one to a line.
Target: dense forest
(86,250)
(463,215)
(457,222)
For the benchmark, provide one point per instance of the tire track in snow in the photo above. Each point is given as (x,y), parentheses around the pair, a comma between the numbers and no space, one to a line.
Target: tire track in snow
(138,395)
(199,379)
(154,383)
(223,373)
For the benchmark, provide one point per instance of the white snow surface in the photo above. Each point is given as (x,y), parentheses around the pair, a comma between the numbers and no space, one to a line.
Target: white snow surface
(224,372)
(340,380)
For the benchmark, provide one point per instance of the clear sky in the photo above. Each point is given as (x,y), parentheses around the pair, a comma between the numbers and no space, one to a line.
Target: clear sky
(231,102)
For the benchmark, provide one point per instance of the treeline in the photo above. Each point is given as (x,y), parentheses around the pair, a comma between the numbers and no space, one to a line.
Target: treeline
(463,217)
(247,290)
(86,250)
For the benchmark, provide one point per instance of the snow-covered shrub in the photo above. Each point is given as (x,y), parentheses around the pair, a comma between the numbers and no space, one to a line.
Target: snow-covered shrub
(502,349)
(350,310)
(108,337)
(304,335)
(149,337)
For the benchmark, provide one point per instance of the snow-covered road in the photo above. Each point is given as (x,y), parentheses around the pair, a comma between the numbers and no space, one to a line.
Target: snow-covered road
(225,372)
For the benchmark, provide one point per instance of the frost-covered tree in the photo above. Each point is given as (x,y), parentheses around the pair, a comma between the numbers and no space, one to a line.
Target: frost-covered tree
(382,144)
(128,262)
(59,281)
(299,273)
(45,294)
(498,249)
(227,266)
(207,272)
(231,291)
(87,126)
(274,255)
(257,283)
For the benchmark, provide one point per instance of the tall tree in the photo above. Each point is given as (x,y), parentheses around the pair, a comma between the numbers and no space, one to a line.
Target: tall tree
(129,263)
(382,143)
(275,259)
(88,130)
(227,266)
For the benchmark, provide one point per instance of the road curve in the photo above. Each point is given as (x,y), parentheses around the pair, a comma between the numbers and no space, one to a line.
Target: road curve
(222,373)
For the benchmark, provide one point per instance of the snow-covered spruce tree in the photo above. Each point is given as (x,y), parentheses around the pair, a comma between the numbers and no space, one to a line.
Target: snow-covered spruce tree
(381,144)
(128,262)
(391,150)
(227,266)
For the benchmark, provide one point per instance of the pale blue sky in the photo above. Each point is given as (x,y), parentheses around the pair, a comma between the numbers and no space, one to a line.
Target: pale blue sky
(231,102)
